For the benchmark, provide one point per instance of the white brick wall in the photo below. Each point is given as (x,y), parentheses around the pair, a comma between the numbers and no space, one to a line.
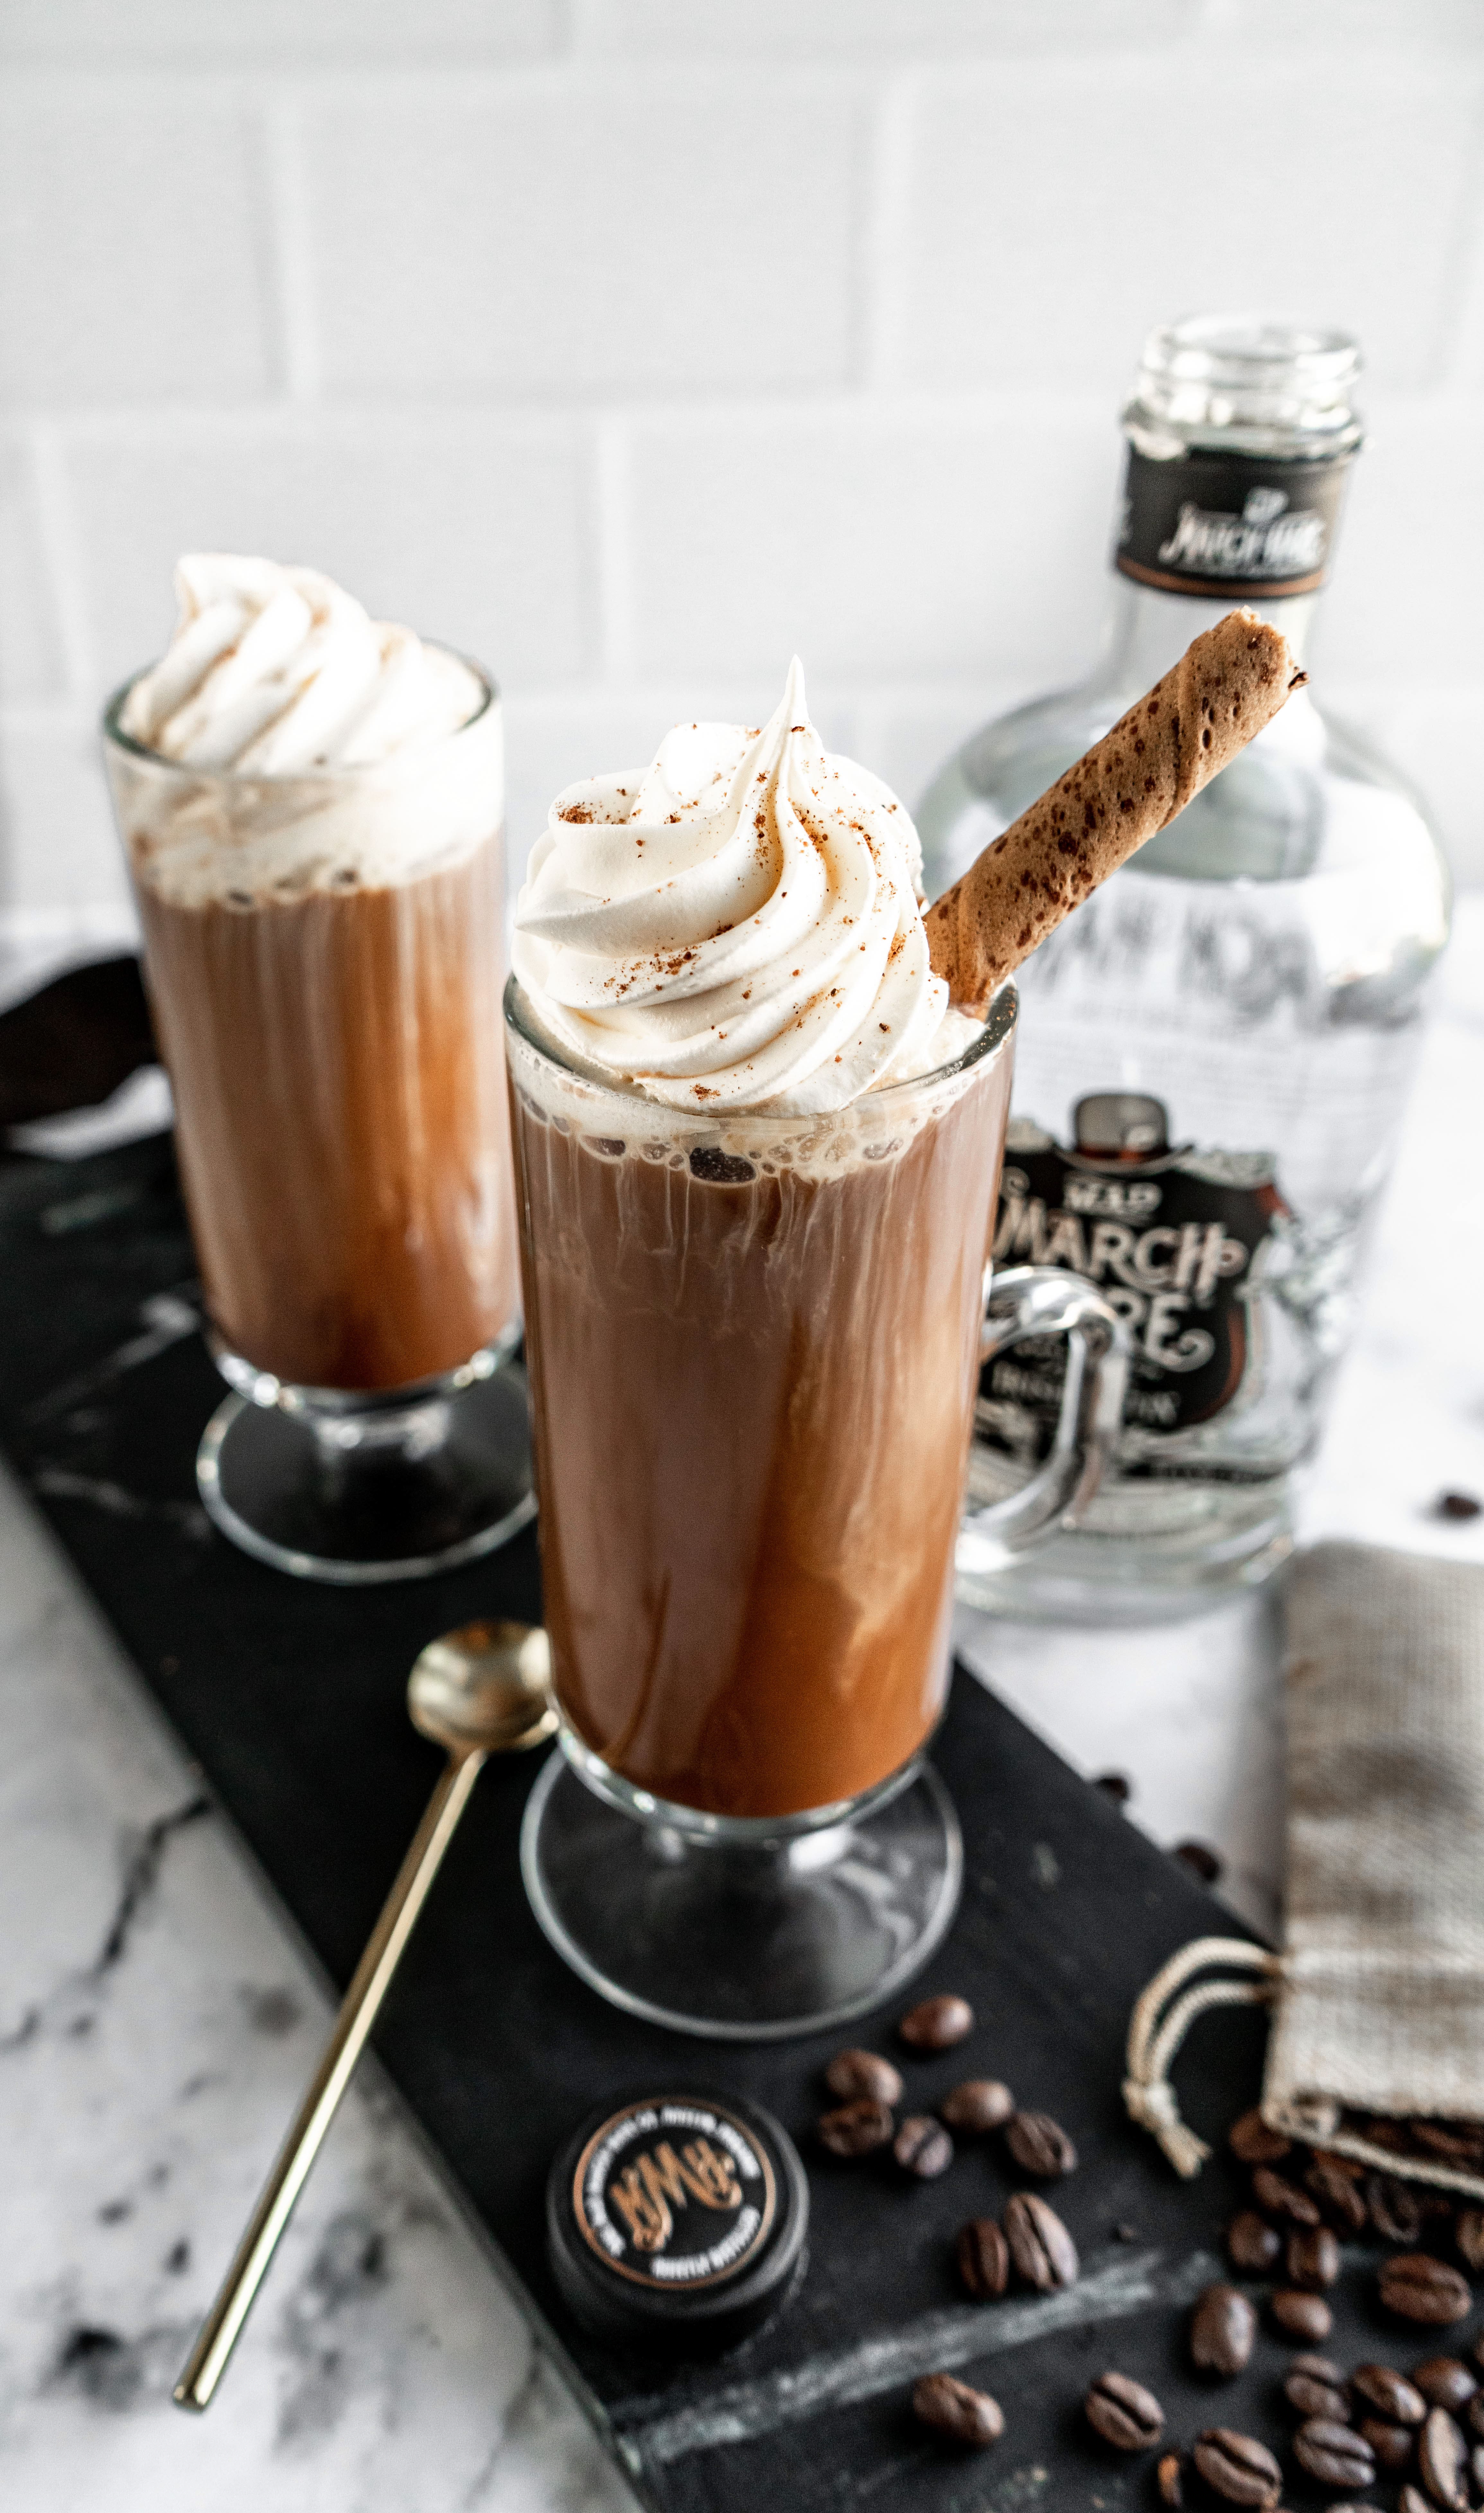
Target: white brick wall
(634,343)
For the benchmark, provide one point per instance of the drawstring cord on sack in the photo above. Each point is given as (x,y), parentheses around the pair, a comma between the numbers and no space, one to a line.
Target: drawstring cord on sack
(1155,2035)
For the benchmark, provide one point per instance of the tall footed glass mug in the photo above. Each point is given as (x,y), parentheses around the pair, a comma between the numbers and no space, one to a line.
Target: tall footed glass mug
(756,1317)
(311,805)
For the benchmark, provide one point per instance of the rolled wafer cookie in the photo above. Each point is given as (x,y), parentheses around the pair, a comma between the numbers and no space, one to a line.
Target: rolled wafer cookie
(1225,687)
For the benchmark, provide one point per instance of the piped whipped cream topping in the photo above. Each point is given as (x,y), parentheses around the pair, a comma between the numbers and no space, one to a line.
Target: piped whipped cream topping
(737,925)
(273,670)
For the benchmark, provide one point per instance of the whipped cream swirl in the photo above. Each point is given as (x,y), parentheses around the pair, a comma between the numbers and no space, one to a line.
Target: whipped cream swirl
(273,670)
(738,925)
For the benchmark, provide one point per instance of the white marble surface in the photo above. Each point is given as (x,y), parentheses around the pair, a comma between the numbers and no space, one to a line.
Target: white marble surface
(157,2019)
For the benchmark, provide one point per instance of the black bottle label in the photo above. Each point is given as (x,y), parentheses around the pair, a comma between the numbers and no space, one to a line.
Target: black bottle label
(1171,1237)
(1219,524)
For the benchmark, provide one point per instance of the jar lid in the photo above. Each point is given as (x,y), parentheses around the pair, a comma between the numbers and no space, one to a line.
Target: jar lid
(676,2220)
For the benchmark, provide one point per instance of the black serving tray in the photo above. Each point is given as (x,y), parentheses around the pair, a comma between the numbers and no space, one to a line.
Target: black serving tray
(290,1696)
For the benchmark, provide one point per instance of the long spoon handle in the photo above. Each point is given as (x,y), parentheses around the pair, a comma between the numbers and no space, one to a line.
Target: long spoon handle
(218,2332)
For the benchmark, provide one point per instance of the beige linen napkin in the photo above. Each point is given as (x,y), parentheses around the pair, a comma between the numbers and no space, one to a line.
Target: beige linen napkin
(1377,1994)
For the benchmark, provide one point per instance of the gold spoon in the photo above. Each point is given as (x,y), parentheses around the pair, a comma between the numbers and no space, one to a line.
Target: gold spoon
(485,1688)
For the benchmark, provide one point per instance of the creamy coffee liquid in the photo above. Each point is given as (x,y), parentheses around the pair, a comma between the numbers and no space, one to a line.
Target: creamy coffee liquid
(753,1365)
(753,1259)
(315,845)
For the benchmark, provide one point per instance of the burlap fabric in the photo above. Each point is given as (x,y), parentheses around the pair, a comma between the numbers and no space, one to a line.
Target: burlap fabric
(1377,1995)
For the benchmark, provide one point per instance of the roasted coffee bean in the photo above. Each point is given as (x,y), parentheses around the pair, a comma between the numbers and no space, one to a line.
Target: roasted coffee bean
(1223,2327)
(1445,2383)
(1040,2146)
(1468,2237)
(1413,2501)
(1123,2412)
(854,2129)
(923,2147)
(1283,2199)
(951,2407)
(1474,2412)
(1454,2141)
(1418,2287)
(1390,2394)
(983,2258)
(1302,2316)
(937,2023)
(1333,2453)
(1393,2209)
(1392,2444)
(1314,2394)
(1116,1786)
(1458,1504)
(1204,1862)
(1341,2202)
(1442,2460)
(1252,2142)
(1311,2256)
(1236,2467)
(1169,2478)
(1251,2244)
(1476,2464)
(853,2075)
(1040,2245)
(980,2103)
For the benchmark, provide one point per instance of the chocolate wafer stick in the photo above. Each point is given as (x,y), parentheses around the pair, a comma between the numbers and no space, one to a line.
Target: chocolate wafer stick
(1131,783)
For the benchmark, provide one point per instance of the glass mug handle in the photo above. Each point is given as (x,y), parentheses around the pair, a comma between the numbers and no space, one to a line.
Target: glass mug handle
(1041,1300)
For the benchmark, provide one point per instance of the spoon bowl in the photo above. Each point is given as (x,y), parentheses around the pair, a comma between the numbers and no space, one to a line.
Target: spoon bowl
(486,1687)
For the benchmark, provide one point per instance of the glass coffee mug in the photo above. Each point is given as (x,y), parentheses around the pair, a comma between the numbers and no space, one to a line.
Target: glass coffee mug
(754,1345)
(324,952)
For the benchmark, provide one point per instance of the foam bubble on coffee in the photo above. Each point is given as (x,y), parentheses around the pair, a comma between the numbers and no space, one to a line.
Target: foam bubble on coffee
(320,738)
(737,926)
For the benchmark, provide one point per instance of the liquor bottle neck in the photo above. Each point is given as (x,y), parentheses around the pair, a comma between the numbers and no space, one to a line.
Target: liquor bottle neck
(1148,630)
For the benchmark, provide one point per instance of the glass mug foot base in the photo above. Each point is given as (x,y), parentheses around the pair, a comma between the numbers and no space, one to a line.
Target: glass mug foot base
(1136,1558)
(400,1496)
(742,1940)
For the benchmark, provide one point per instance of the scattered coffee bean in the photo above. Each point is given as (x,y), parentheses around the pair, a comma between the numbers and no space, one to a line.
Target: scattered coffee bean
(1418,2287)
(937,2023)
(1390,2444)
(1125,2233)
(1283,2199)
(1393,2209)
(983,2258)
(980,2103)
(1203,1862)
(1442,2460)
(1333,2453)
(1341,2202)
(1169,2478)
(1302,2316)
(951,2408)
(1413,2501)
(1476,2464)
(1468,2238)
(1115,1785)
(1458,1504)
(1445,2383)
(1474,2412)
(923,2147)
(1390,2394)
(1318,2393)
(1040,2245)
(856,2074)
(1123,2412)
(1251,2244)
(1454,2141)
(1313,2256)
(1223,2327)
(1236,2467)
(1252,2142)
(854,2129)
(1040,2146)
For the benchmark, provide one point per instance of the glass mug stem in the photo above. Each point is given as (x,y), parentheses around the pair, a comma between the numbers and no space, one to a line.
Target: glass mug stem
(1023,1304)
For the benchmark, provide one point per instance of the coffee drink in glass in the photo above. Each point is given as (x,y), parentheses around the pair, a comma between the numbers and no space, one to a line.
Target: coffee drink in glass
(311,806)
(757,1156)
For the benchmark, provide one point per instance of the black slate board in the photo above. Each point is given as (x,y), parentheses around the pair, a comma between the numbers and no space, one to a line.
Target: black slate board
(290,1699)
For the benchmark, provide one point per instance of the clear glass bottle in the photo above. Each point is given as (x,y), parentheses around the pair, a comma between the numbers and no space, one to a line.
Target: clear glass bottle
(1216,1050)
